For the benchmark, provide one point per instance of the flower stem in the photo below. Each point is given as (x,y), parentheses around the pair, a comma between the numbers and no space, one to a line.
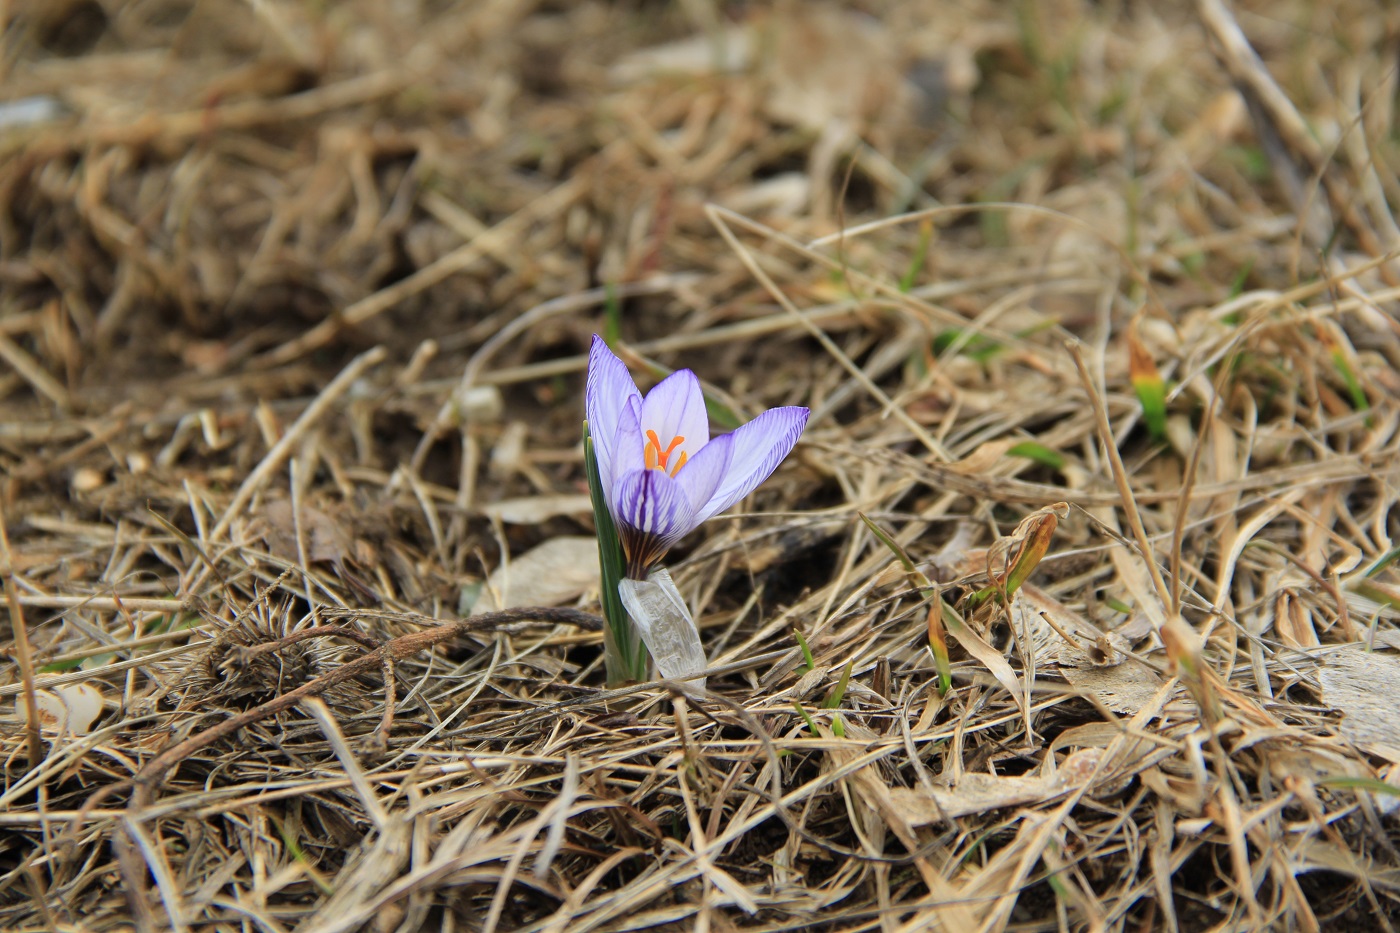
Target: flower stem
(624,654)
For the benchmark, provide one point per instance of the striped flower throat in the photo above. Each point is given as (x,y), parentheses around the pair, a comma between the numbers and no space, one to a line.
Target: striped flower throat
(656,458)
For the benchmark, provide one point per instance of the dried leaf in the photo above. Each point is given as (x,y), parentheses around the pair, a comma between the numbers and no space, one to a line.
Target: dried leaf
(974,793)
(553,573)
(1133,576)
(1362,684)
(975,645)
(536,510)
(1094,662)
(1013,558)
(1123,688)
(1293,621)
(1053,624)
(326,541)
(982,459)
(807,684)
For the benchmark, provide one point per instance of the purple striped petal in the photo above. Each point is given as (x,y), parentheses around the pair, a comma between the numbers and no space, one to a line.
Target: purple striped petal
(702,474)
(675,407)
(652,513)
(609,392)
(758,448)
(626,450)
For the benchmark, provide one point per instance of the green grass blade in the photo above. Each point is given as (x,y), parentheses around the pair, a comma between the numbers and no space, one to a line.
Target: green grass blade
(839,691)
(808,660)
(624,654)
(811,725)
(1359,401)
(1041,454)
(916,265)
(612,316)
(1151,389)
(1361,783)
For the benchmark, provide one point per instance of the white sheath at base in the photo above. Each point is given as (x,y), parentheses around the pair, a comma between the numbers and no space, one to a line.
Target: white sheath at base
(664,621)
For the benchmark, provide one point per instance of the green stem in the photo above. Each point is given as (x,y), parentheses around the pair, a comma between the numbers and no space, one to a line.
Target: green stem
(624,654)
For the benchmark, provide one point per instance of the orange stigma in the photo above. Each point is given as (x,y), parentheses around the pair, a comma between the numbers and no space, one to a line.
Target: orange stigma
(656,458)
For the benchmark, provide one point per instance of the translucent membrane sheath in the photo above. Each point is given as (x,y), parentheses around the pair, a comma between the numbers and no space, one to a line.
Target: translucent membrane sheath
(660,613)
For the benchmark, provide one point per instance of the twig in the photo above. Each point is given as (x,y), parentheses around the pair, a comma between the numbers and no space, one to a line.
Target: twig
(23,655)
(33,373)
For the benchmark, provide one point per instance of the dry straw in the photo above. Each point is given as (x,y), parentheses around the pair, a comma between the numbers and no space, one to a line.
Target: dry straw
(294,307)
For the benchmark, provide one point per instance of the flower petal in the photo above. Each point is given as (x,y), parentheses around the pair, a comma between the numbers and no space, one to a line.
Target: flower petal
(627,445)
(704,472)
(675,407)
(759,447)
(610,387)
(652,513)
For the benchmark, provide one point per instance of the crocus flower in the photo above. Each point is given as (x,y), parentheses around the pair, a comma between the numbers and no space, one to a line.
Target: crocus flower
(662,474)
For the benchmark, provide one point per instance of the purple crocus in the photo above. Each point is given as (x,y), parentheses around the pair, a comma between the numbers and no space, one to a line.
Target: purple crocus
(662,474)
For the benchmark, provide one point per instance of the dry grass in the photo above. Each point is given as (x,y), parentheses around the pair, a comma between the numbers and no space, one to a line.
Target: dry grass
(293,302)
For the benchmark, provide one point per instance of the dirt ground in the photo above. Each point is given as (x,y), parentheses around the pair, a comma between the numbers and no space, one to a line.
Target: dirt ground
(300,623)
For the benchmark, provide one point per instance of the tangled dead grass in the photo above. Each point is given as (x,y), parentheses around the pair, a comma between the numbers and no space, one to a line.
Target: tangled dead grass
(294,299)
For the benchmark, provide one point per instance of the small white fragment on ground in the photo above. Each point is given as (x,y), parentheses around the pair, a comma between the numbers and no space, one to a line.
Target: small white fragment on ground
(1389,803)
(28,111)
(70,708)
(508,454)
(784,195)
(477,404)
(663,619)
(555,572)
(728,50)
(1365,687)
(87,479)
